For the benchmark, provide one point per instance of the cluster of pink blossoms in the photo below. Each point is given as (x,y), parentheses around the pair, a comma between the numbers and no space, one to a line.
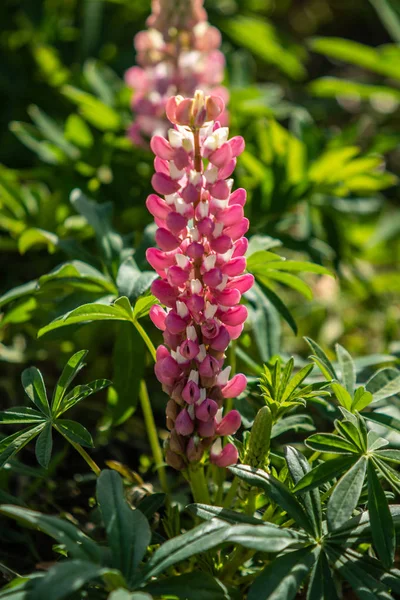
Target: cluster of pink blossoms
(177,55)
(201,264)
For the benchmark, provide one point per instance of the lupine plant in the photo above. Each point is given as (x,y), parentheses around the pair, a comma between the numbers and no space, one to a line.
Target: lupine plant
(224,464)
(177,54)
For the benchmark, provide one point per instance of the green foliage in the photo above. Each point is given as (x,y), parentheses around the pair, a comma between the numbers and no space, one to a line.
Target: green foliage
(41,422)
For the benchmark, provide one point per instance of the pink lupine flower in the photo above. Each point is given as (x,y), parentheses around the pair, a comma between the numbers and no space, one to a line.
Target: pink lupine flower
(176,55)
(201,264)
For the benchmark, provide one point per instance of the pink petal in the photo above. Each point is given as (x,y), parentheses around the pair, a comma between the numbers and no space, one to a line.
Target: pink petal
(235,386)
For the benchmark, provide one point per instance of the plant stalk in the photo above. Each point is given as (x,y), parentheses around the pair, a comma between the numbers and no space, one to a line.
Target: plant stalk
(153,435)
(198,485)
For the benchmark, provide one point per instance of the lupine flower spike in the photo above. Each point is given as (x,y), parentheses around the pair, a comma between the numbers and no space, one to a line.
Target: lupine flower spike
(176,55)
(201,264)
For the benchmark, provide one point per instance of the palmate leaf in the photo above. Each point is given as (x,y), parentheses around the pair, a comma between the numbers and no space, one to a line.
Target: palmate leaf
(282,578)
(77,544)
(346,494)
(383,532)
(127,530)
(277,491)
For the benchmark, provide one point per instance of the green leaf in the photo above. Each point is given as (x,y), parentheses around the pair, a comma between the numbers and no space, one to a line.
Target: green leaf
(361,399)
(282,578)
(99,216)
(304,267)
(80,392)
(322,585)
(360,572)
(122,594)
(296,381)
(383,533)
(298,468)
(326,471)
(44,446)
(143,305)
(151,504)
(12,444)
(328,87)
(74,432)
(65,578)
(346,494)
(384,384)
(329,371)
(193,585)
(265,323)
(356,54)
(31,138)
(20,414)
(389,13)
(78,132)
(26,289)
(51,131)
(33,384)
(87,313)
(278,304)
(129,348)
(391,455)
(77,543)
(347,368)
(207,512)
(291,281)
(262,39)
(264,537)
(293,423)
(257,262)
(357,530)
(127,530)
(330,443)
(71,369)
(97,113)
(131,282)
(276,490)
(383,420)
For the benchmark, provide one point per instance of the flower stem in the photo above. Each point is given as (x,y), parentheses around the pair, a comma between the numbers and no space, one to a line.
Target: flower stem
(145,338)
(95,468)
(153,435)
(231,493)
(198,485)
